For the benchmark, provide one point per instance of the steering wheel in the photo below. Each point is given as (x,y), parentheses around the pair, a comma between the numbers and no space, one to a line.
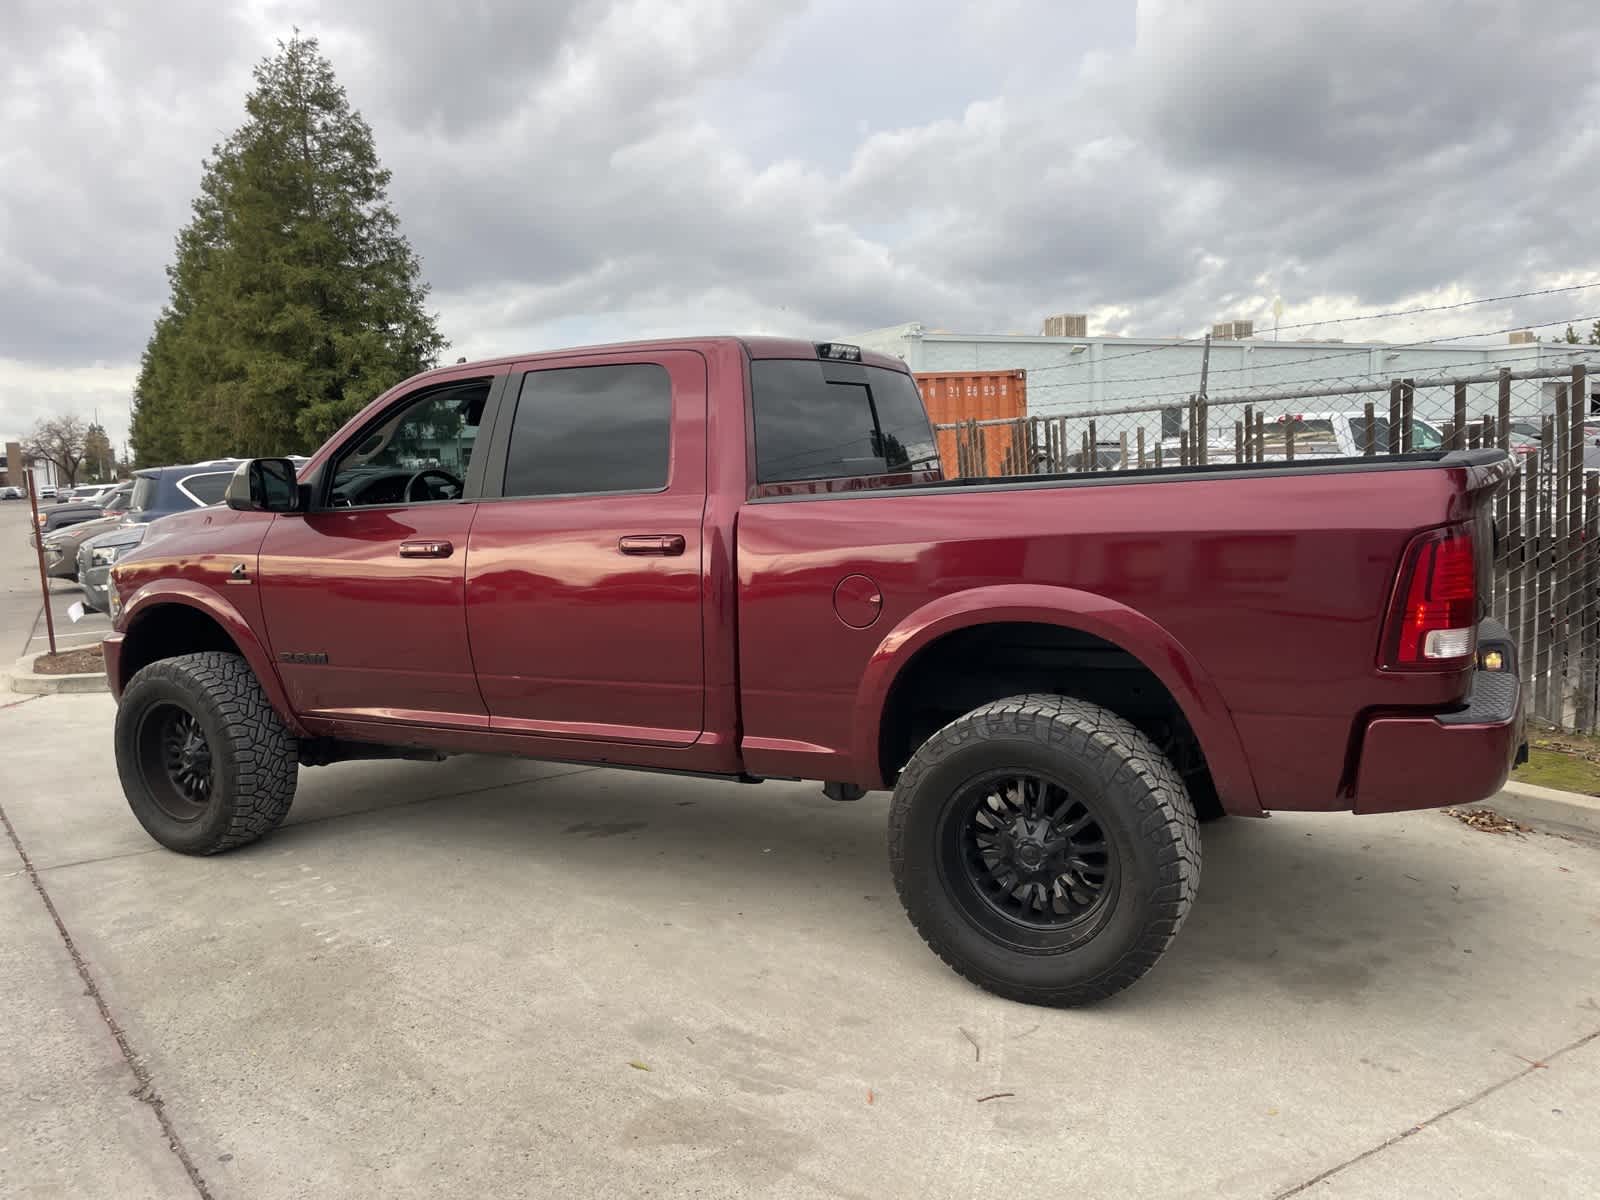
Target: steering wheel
(442,474)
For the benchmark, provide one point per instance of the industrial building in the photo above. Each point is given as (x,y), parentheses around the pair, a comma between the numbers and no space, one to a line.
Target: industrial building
(1071,374)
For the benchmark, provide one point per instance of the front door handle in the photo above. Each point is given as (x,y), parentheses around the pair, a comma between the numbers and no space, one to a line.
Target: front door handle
(428,549)
(662,544)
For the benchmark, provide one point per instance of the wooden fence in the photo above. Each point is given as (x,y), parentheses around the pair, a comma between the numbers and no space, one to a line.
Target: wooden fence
(1546,578)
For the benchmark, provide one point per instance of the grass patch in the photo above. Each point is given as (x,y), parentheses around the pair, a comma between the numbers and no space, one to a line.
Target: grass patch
(1567,761)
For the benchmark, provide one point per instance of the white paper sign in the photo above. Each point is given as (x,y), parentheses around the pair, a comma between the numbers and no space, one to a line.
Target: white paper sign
(76,610)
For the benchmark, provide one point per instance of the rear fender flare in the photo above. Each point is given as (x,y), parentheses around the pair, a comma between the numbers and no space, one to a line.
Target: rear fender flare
(192,595)
(1149,642)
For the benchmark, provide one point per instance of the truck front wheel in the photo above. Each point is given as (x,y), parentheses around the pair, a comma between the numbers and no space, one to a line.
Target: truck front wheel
(1044,848)
(205,762)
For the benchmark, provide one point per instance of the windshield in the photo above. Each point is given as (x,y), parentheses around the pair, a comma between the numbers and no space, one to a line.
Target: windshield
(1423,435)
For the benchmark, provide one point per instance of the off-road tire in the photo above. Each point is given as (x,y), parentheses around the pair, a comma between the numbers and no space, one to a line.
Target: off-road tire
(1141,805)
(253,756)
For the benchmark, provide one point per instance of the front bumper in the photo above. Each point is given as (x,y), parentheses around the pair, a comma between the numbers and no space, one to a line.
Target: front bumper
(96,587)
(1456,758)
(58,564)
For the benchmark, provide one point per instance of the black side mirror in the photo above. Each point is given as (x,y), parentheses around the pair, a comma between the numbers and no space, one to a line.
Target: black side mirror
(264,485)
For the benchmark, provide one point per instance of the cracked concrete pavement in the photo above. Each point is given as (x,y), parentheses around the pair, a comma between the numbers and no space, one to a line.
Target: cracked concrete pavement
(436,979)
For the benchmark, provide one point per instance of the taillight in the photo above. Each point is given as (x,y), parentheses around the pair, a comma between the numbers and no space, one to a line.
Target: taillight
(1433,620)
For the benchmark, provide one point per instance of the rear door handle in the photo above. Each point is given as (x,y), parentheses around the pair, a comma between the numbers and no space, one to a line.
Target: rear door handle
(429,549)
(663,544)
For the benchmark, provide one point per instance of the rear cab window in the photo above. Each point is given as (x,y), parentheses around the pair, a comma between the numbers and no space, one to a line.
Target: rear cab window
(821,422)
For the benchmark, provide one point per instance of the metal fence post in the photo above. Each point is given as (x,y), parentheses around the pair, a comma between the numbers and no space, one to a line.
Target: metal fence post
(1503,394)
(1141,447)
(1515,541)
(1371,415)
(1460,414)
(1408,391)
(1586,606)
(1394,416)
(1544,617)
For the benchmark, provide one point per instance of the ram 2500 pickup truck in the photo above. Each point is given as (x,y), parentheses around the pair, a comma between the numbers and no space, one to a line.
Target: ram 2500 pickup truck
(737,558)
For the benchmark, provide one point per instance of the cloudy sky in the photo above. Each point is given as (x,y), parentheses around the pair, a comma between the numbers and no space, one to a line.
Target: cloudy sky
(581,170)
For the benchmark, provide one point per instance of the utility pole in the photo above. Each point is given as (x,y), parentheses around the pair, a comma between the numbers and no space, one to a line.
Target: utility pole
(1201,409)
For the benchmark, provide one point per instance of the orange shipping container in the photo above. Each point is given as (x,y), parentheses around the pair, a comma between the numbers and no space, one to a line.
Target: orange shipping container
(952,396)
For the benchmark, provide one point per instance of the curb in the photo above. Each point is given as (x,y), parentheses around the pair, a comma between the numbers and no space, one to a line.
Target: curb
(1563,812)
(21,679)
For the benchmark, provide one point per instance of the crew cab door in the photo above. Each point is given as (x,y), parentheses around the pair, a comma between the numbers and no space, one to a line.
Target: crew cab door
(364,593)
(584,574)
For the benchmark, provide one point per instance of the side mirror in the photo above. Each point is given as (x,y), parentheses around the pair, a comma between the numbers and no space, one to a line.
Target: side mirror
(264,485)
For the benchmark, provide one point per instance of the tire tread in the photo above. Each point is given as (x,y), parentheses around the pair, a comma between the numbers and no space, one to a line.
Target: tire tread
(1166,816)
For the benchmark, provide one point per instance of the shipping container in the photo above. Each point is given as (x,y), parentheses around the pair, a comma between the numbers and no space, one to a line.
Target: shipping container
(952,396)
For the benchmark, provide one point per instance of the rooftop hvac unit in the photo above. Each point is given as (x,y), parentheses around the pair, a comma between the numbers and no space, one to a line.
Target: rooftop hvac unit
(1522,337)
(1231,331)
(1067,325)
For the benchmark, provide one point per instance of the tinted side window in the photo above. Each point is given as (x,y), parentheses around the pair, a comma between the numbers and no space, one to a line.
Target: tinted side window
(591,429)
(205,489)
(810,428)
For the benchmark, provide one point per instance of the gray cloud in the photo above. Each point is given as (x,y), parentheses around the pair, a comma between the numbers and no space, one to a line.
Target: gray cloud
(573,170)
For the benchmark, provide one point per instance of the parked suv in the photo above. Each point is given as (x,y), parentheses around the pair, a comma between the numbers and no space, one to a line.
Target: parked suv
(157,492)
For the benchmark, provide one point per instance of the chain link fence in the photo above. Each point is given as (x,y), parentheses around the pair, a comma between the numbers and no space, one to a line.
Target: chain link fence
(1546,575)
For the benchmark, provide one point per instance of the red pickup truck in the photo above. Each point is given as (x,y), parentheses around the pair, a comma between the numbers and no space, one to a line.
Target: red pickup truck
(737,558)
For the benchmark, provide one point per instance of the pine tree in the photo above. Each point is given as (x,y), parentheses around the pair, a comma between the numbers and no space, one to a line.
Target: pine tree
(295,297)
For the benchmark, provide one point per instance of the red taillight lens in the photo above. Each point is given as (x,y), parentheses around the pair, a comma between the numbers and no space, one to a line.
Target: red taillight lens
(1433,621)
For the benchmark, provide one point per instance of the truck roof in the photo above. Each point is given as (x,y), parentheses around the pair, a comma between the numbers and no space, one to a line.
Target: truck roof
(756,346)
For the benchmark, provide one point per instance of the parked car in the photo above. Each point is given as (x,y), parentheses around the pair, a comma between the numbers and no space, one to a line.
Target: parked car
(722,556)
(1316,435)
(61,546)
(12,493)
(47,491)
(97,554)
(156,492)
(93,492)
(58,516)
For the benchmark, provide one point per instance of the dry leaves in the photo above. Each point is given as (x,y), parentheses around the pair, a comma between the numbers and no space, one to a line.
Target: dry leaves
(1486,820)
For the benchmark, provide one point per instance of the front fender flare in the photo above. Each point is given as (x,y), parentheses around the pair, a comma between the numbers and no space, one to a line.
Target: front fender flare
(1149,642)
(160,593)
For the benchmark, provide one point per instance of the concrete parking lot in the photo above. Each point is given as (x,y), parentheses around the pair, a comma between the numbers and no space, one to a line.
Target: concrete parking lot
(496,978)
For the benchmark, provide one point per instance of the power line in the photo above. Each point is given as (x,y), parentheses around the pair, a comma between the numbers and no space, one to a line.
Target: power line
(1364,351)
(1378,316)
(1430,377)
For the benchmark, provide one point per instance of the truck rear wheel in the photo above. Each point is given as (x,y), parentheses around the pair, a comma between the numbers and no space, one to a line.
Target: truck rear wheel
(205,762)
(1044,848)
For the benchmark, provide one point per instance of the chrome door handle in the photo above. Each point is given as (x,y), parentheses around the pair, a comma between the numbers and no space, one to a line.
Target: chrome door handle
(660,544)
(429,549)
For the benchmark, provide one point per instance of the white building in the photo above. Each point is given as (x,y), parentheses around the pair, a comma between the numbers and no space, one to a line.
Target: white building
(1079,375)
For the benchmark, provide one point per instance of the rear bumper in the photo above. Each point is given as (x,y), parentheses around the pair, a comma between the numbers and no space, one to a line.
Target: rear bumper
(1452,759)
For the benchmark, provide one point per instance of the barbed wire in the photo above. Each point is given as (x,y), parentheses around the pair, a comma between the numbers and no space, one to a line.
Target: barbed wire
(1430,376)
(1363,351)
(1199,338)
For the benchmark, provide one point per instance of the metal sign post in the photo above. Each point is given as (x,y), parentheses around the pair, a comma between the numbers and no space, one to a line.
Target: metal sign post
(38,549)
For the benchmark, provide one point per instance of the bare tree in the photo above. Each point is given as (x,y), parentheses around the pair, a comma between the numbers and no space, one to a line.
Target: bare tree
(59,441)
